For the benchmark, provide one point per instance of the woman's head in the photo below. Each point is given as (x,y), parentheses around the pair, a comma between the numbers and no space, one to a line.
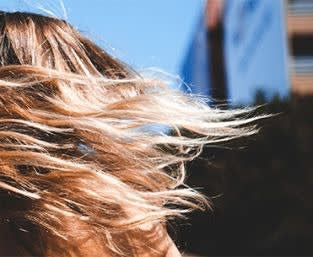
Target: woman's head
(79,160)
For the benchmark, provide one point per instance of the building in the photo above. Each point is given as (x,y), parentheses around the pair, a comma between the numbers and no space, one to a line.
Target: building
(300,35)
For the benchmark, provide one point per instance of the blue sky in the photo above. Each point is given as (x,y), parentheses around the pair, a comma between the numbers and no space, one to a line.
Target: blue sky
(141,32)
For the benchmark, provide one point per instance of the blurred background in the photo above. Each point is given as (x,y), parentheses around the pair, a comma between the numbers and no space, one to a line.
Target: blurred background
(237,53)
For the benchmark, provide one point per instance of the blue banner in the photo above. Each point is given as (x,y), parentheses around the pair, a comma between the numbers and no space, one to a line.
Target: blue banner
(255,49)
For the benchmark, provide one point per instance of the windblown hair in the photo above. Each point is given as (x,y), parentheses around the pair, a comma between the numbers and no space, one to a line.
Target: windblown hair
(81,160)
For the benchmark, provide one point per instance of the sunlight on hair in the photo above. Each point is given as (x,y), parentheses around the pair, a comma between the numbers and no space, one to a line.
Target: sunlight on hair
(79,162)
(53,8)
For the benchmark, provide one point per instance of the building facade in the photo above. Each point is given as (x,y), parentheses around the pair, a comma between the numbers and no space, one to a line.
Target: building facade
(299,38)
(300,34)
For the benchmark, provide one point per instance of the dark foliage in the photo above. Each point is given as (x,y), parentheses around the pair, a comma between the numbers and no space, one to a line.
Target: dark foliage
(263,188)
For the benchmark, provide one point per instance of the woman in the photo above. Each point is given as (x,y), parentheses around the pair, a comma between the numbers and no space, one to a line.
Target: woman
(82,172)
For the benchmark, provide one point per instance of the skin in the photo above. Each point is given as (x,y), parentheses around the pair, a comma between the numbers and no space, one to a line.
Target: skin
(172,250)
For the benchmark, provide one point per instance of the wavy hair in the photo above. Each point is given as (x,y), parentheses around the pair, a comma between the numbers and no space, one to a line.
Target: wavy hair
(83,171)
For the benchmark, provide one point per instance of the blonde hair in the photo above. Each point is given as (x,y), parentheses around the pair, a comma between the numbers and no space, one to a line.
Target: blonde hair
(79,157)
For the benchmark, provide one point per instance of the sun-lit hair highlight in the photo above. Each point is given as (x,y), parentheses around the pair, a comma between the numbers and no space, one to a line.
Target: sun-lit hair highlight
(79,153)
